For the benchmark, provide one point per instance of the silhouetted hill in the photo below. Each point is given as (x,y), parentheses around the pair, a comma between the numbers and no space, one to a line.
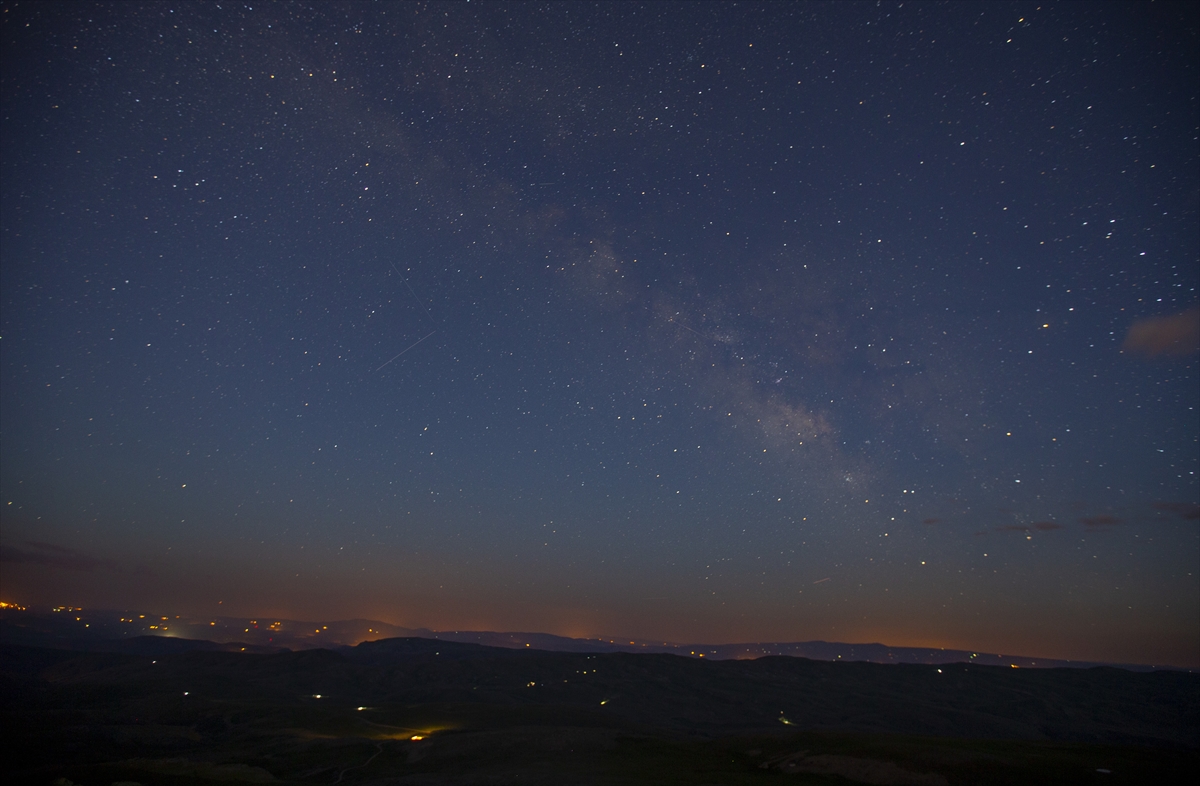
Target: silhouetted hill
(47,636)
(80,629)
(394,651)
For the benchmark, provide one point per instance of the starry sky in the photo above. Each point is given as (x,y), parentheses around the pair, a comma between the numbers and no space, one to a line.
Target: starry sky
(690,322)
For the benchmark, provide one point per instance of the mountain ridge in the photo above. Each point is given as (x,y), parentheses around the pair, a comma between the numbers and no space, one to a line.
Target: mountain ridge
(79,629)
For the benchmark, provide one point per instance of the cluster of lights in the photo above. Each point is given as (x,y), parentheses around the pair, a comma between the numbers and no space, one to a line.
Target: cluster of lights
(14,606)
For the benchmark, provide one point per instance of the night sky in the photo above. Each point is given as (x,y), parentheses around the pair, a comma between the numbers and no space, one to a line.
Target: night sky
(689,322)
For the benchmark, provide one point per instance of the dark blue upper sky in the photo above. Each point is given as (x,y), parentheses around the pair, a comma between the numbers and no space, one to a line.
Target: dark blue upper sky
(700,322)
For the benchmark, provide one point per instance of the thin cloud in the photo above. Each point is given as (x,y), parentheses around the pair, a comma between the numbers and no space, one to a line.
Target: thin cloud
(1012,528)
(1046,526)
(1099,522)
(51,555)
(1177,335)
(42,546)
(931,521)
(1185,510)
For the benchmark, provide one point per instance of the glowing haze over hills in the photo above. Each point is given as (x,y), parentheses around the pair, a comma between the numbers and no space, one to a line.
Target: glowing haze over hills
(700,322)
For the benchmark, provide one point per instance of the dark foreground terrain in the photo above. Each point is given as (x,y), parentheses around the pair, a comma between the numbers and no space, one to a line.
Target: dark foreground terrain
(419,711)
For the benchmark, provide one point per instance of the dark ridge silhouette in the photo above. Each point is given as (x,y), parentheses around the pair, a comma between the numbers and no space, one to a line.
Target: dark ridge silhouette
(238,635)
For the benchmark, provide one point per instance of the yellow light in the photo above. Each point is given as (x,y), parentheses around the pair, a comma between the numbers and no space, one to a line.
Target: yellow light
(417,737)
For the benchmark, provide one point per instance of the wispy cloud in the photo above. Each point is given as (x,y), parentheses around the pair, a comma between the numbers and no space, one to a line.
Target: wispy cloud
(52,555)
(43,546)
(1177,335)
(1185,510)
(1099,522)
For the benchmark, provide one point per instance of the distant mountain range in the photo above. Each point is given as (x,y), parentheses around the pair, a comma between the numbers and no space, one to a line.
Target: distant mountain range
(73,628)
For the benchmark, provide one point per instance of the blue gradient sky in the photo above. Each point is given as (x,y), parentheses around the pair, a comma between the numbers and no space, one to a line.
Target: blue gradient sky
(696,322)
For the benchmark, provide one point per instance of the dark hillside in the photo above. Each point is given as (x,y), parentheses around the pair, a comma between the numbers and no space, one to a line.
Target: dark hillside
(671,693)
(458,713)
